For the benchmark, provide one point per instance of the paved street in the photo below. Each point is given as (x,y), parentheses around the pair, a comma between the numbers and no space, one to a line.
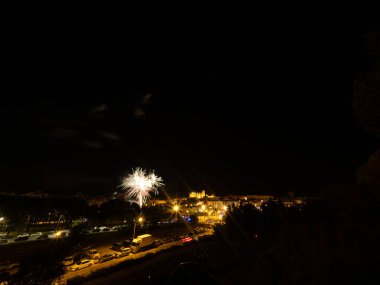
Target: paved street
(106,249)
(213,257)
(103,241)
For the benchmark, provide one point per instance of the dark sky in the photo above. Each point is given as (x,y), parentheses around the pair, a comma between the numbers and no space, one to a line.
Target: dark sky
(224,109)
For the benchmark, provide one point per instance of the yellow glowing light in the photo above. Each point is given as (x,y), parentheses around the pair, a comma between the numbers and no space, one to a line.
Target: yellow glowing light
(225,208)
(203,207)
(176,208)
(141,219)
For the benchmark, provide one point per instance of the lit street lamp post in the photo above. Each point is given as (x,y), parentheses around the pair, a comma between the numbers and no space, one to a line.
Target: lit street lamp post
(2,222)
(140,220)
(176,210)
(59,221)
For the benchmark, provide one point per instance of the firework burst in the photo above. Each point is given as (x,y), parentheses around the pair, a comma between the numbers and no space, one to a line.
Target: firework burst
(139,185)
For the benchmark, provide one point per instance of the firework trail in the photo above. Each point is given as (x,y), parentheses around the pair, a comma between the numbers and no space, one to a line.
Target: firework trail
(140,185)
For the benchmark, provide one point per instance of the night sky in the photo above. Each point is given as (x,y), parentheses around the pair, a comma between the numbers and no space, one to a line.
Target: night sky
(226,110)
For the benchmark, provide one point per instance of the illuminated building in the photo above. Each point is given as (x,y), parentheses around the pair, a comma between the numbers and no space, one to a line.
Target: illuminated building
(197,195)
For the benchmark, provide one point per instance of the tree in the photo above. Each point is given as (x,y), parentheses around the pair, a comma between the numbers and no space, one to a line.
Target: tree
(155,214)
(77,233)
(193,219)
(43,268)
(366,99)
(366,106)
(370,172)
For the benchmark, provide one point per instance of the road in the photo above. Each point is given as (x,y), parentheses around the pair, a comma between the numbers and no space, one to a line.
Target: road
(17,251)
(224,263)
(103,250)
(35,238)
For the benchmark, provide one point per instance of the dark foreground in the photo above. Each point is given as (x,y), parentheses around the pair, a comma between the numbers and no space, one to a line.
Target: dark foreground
(209,260)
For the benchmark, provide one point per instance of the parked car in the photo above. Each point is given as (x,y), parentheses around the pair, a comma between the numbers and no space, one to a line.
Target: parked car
(167,240)
(186,240)
(2,240)
(122,254)
(81,264)
(120,247)
(104,229)
(107,257)
(127,242)
(94,253)
(81,256)
(117,228)
(59,234)
(117,246)
(22,237)
(62,233)
(45,236)
(158,242)
(37,234)
(68,261)
(175,237)
(124,251)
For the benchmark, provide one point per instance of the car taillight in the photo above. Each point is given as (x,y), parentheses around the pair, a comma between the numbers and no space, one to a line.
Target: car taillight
(187,239)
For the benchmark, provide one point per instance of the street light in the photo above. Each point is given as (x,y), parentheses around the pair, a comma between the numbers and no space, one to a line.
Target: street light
(59,223)
(140,220)
(176,211)
(3,221)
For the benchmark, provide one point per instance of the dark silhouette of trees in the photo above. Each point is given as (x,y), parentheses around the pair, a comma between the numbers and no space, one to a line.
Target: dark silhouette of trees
(114,211)
(25,213)
(366,106)
(155,214)
(43,268)
(77,233)
(366,99)
(333,240)
(193,219)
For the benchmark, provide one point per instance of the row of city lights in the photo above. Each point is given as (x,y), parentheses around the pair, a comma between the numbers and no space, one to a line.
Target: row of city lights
(203,208)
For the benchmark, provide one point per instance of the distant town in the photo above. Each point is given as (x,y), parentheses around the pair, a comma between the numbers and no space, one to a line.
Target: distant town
(206,208)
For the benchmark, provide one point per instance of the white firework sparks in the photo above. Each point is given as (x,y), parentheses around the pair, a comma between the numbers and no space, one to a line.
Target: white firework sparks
(139,185)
